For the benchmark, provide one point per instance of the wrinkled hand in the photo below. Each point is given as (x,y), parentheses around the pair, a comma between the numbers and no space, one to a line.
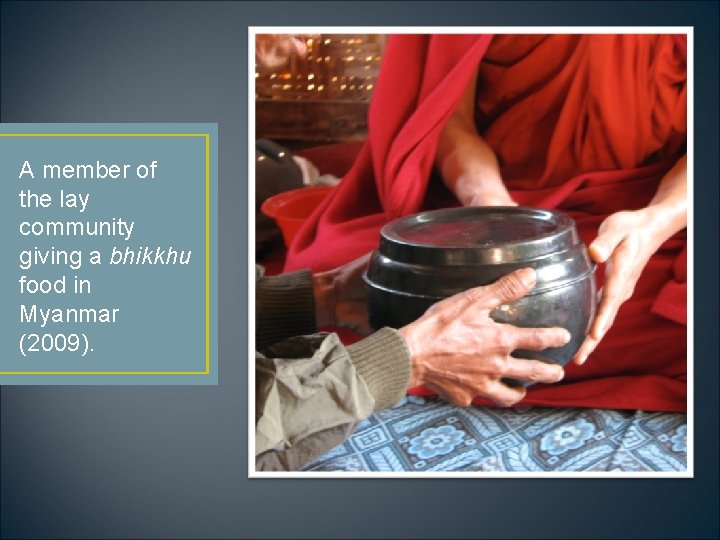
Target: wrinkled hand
(459,352)
(341,297)
(625,242)
(274,50)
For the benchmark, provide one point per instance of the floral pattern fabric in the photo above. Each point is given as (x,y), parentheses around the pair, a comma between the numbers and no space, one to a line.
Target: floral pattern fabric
(431,435)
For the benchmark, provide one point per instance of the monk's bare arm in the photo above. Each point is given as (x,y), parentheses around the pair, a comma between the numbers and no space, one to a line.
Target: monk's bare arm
(467,164)
(670,200)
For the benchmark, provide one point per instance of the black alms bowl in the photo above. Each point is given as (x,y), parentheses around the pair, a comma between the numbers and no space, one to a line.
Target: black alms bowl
(432,255)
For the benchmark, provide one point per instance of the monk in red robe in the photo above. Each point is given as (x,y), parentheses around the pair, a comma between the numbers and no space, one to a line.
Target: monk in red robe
(592,125)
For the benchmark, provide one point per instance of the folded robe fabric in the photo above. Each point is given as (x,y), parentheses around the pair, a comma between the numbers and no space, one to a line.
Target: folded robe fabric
(586,124)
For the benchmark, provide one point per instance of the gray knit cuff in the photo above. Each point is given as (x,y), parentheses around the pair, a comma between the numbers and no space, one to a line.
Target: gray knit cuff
(284,307)
(383,361)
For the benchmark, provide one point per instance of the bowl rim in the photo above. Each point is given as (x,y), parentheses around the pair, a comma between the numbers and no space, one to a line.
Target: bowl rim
(397,247)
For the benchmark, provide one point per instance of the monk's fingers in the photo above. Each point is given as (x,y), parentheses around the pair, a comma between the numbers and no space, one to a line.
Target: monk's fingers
(620,279)
(533,370)
(605,317)
(587,347)
(610,234)
(614,293)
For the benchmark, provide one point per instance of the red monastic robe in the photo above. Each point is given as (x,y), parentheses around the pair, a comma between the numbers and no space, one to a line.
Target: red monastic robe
(584,124)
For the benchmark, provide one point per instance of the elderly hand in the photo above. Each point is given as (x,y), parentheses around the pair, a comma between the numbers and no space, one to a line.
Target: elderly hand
(459,352)
(341,297)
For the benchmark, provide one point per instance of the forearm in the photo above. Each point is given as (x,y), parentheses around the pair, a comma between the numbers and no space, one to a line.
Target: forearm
(469,167)
(668,208)
(323,287)
(383,362)
(466,162)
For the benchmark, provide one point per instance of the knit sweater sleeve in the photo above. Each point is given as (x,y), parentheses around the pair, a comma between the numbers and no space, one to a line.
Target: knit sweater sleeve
(285,307)
(383,362)
(374,373)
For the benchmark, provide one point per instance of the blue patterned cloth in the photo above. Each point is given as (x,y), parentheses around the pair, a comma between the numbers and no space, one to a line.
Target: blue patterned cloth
(430,435)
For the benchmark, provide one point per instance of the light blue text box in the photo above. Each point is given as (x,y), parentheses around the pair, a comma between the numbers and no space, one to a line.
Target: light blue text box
(164,329)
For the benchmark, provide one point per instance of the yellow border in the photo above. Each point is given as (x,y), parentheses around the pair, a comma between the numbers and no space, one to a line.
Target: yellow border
(207,253)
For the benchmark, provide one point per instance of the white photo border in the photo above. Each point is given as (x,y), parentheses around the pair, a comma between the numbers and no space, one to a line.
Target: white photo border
(254,30)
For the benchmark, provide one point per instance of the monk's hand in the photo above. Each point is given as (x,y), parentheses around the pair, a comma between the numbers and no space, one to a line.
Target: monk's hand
(496,198)
(459,352)
(484,190)
(341,297)
(625,242)
(478,187)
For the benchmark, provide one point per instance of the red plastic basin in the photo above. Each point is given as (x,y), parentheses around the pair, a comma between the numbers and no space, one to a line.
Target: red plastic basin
(291,209)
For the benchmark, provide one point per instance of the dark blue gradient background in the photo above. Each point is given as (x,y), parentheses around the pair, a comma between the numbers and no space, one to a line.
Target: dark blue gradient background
(121,462)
